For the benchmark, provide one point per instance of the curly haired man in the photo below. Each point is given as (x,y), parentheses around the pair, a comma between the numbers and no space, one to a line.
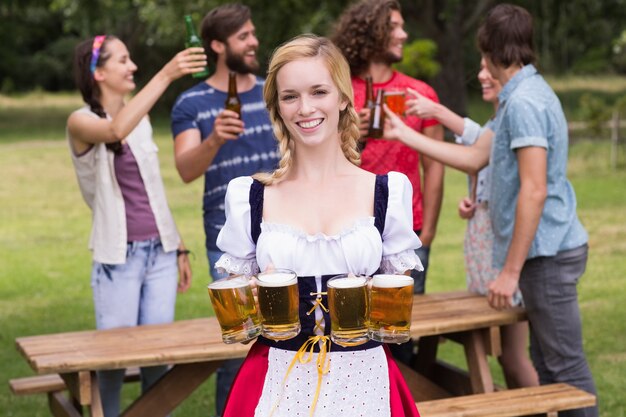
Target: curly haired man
(371,35)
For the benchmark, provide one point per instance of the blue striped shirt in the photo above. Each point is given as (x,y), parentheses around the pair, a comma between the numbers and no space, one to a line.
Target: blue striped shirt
(254,151)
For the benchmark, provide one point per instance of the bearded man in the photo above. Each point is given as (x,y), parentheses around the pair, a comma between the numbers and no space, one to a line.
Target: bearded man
(371,36)
(218,143)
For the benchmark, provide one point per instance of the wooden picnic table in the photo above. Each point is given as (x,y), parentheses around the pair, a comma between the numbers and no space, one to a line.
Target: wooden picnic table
(195,350)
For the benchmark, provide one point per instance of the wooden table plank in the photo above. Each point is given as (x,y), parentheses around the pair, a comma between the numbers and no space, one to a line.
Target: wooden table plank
(179,342)
(197,340)
(441,313)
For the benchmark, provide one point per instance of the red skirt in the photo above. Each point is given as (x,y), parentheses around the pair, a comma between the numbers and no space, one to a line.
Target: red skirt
(248,385)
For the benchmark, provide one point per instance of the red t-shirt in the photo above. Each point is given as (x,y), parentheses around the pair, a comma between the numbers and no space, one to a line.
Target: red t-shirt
(381,156)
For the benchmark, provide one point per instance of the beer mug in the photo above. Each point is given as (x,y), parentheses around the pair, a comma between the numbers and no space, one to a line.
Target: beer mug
(395,99)
(348,304)
(391,305)
(235,309)
(279,302)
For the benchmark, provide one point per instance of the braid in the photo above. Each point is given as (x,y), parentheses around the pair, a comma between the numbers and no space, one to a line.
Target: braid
(286,158)
(349,132)
(96,106)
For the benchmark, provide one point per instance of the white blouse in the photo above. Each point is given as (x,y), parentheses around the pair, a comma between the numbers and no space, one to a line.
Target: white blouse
(358,249)
(358,381)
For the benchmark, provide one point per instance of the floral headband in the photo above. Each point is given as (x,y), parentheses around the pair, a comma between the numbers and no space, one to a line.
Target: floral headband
(95,52)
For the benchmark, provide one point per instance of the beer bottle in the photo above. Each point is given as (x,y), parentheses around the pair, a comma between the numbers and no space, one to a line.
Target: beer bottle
(369,104)
(232,99)
(194,40)
(377,117)
(369,92)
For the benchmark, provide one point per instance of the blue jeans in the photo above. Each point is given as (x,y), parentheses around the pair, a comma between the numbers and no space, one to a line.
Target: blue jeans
(548,285)
(140,291)
(228,371)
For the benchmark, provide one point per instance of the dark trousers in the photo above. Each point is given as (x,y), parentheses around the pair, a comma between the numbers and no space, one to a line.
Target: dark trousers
(404,352)
(548,285)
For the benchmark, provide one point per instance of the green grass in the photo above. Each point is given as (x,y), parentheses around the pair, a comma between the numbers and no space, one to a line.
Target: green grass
(45,264)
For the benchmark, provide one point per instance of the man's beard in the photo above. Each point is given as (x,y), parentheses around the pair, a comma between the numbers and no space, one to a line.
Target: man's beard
(390,58)
(386,58)
(237,63)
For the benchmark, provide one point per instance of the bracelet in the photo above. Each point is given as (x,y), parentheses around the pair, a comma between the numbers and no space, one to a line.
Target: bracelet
(180,252)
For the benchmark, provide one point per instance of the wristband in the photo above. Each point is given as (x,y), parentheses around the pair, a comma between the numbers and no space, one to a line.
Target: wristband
(180,252)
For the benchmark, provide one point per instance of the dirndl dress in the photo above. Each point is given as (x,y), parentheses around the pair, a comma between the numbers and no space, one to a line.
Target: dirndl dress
(309,375)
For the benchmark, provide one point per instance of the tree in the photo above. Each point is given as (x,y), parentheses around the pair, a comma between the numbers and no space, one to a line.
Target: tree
(452,25)
(576,35)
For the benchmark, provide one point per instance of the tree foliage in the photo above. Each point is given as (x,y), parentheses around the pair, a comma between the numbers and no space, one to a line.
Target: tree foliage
(47,30)
(37,36)
(451,24)
(419,59)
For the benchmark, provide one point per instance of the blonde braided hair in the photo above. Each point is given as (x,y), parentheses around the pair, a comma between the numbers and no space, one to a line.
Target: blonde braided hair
(310,46)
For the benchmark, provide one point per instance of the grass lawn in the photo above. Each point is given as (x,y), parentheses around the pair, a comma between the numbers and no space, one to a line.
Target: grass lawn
(45,264)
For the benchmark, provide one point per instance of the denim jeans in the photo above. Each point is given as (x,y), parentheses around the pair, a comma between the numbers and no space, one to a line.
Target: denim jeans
(140,291)
(548,285)
(228,371)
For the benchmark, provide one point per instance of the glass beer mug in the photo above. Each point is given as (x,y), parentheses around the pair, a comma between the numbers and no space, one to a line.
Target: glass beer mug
(348,304)
(395,98)
(279,303)
(235,309)
(391,306)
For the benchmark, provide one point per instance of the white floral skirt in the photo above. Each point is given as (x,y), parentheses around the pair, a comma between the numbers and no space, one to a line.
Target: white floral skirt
(478,248)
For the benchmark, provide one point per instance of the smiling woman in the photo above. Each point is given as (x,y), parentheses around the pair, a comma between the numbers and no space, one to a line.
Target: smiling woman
(134,240)
(319,215)
(309,102)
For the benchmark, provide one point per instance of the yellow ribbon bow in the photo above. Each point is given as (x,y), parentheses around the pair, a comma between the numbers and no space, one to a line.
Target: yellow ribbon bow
(305,355)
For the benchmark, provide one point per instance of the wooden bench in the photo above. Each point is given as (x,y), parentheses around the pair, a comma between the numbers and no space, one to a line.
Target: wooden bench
(510,403)
(45,384)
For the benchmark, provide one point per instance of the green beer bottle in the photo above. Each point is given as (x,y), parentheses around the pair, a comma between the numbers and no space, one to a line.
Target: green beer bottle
(194,40)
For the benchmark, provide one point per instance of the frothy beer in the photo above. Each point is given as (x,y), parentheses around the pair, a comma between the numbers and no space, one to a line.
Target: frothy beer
(348,304)
(395,100)
(279,303)
(235,309)
(391,307)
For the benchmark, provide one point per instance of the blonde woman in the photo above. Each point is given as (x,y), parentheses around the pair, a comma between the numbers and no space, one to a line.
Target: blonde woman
(320,215)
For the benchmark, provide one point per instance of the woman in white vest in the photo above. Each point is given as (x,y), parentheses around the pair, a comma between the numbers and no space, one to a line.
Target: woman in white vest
(139,260)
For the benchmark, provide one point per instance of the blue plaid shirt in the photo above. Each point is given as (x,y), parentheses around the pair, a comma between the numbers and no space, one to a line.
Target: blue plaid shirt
(530,114)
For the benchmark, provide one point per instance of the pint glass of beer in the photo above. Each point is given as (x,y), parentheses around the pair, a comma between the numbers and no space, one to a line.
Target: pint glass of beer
(277,291)
(395,99)
(391,304)
(348,304)
(235,309)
